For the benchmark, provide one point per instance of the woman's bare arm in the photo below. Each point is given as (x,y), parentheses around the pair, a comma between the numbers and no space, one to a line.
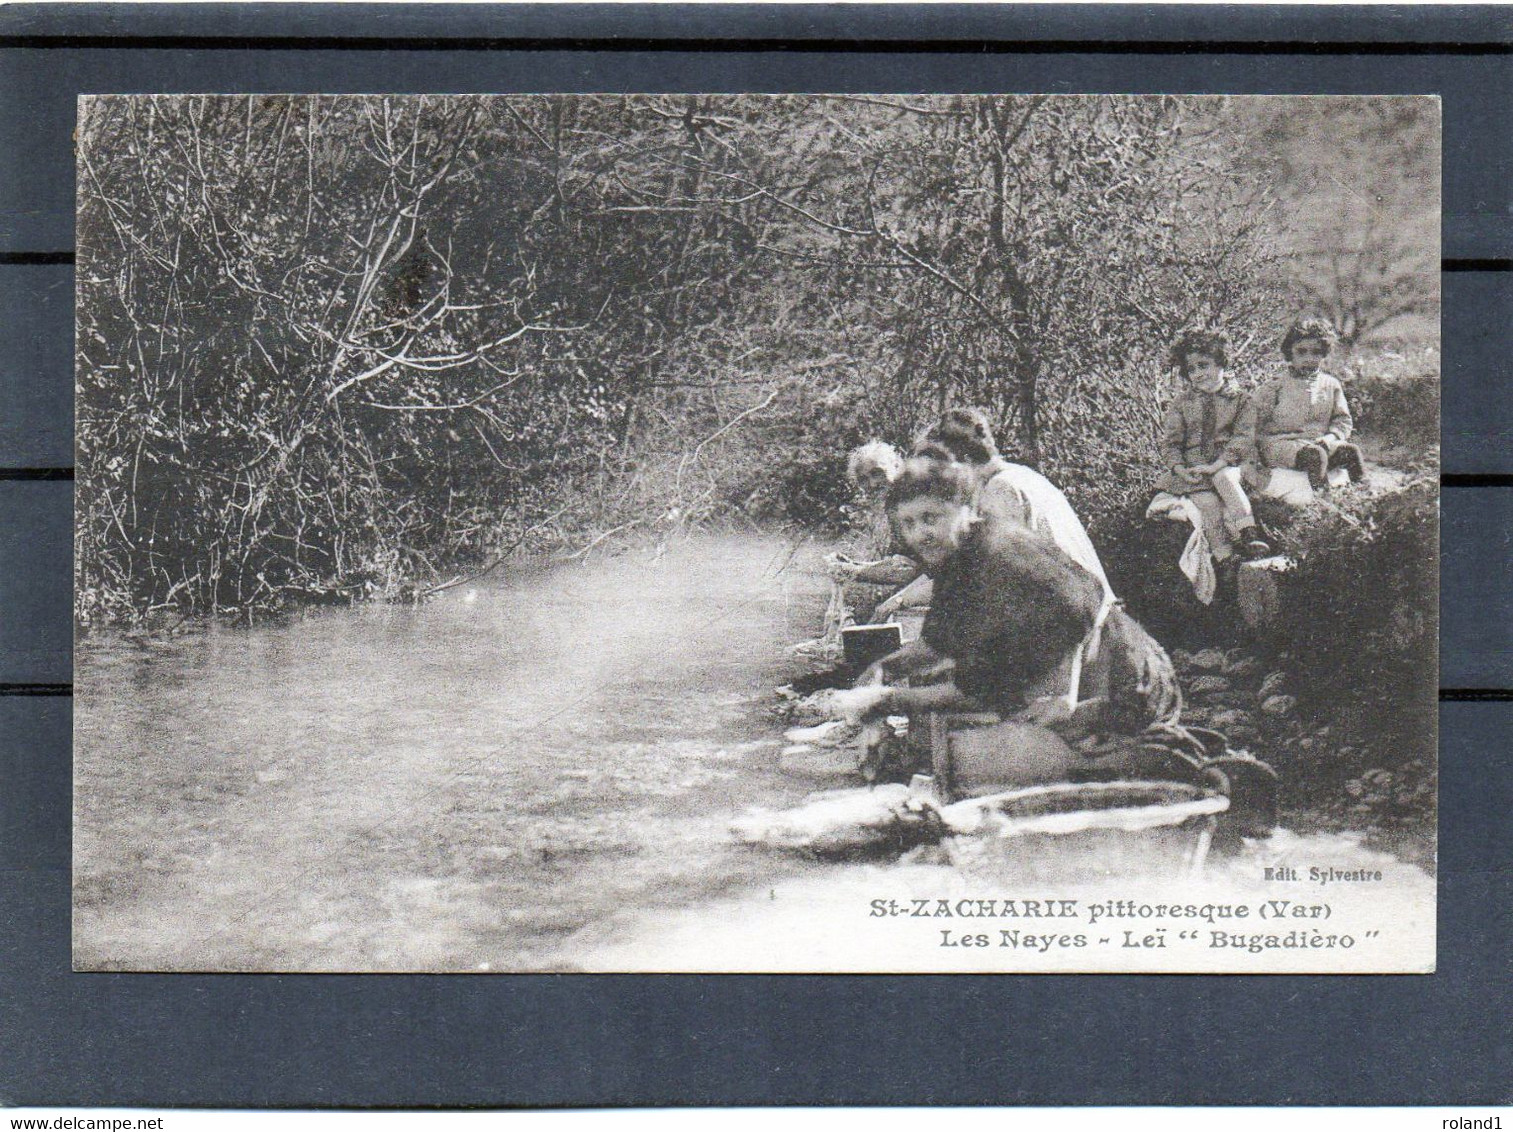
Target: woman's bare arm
(917,593)
(932,697)
(900,663)
(894,571)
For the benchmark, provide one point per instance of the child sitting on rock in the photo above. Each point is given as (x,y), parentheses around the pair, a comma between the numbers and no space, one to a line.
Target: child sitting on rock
(1302,418)
(1207,437)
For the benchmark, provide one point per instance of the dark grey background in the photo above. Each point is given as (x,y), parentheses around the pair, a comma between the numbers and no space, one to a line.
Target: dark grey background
(230,1041)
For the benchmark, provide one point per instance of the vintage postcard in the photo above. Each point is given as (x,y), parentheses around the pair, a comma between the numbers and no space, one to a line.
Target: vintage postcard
(824,533)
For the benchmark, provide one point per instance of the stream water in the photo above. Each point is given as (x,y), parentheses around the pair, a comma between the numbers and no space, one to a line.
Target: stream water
(536,771)
(459,785)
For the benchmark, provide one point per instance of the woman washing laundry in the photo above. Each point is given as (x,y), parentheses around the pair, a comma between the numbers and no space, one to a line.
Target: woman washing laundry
(1030,633)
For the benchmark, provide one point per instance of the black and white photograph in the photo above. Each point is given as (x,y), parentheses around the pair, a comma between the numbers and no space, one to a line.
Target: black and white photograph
(756,533)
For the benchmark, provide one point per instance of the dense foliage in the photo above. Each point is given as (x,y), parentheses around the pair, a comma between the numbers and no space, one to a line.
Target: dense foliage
(1394,393)
(1358,635)
(340,346)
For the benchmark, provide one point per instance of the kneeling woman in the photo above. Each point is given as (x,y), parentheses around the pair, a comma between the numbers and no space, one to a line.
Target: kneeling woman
(1029,634)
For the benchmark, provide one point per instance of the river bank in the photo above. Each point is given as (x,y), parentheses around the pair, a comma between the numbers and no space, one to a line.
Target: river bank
(536,771)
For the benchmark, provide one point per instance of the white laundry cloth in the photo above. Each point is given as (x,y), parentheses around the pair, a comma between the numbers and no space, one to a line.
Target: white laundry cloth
(1197,559)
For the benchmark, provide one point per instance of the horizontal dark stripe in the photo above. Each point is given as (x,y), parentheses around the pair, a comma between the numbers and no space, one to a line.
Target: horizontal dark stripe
(1476,265)
(732,46)
(27,258)
(36,474)
(1476,479)
(36,689)
(1476,695)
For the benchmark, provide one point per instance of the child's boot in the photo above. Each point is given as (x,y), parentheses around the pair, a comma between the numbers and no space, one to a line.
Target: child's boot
(1311,459)
(1253,544)
(1348,456)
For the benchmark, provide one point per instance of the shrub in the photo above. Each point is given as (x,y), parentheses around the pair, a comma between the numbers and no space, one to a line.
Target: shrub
(1394,395)
(1359,616)
(796,470)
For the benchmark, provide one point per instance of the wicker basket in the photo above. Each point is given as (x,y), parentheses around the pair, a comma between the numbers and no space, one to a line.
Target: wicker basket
(1078,832)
